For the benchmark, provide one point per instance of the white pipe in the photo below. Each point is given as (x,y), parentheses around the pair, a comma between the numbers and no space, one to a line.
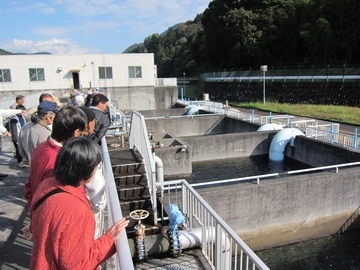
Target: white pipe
(280,141)
(159,169)
(270,126)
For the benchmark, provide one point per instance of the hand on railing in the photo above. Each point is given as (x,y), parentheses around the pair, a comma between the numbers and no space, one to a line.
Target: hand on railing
(115,230)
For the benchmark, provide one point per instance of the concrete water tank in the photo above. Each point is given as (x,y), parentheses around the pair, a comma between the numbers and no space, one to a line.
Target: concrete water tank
(206,97)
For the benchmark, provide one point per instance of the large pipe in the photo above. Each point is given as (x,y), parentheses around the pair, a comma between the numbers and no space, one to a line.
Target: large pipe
(161,243)
(193,109)
(270,126)
(280,141)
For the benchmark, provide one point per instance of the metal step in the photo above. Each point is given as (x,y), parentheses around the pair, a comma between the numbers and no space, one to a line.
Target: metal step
(133,191)
(128,168)
(130,179)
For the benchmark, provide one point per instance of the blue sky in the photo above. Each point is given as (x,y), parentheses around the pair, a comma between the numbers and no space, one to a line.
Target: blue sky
(88,26)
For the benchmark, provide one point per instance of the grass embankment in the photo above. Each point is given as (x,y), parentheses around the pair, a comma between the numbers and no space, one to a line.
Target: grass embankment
(340,114)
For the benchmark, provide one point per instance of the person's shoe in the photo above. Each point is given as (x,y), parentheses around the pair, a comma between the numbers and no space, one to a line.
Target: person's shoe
(21,165)
(3,175)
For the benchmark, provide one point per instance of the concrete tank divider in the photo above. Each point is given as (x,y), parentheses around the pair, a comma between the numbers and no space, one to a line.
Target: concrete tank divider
(201,125)
(318,153)
(229,145)
(286,210)
(177,154)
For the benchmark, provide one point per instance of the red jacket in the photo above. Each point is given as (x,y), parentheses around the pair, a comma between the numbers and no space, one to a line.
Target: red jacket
(63,231)
(42,166)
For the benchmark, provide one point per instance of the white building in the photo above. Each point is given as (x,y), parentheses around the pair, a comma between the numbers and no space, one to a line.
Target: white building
(129,78)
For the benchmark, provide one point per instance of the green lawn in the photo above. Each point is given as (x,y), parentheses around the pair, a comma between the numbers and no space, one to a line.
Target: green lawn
(341,114)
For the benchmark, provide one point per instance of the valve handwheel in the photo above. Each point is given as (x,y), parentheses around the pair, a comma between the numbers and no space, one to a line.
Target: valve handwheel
(139,214)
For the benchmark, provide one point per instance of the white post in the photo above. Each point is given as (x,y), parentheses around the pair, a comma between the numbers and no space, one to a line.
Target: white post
(263,69)
(184,85)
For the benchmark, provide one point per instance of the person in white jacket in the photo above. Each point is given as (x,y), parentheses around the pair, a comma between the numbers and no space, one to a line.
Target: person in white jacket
(3,130)
(95,190)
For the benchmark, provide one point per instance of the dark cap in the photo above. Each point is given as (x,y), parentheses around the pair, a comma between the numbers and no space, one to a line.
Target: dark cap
(89,113)
(48,106)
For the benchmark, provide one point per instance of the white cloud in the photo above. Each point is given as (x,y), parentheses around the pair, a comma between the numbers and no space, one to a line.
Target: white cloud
(54,46)
(44,8)
(50,31)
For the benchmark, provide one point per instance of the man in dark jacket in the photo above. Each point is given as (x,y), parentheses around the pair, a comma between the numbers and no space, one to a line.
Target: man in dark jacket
(98,105)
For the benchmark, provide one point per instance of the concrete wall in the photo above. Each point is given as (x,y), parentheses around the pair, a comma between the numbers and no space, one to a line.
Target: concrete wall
(199,125)
(138,98)
(317,153)
(187,126)
(229,145)
(163,112)
(287,210)
(165,96)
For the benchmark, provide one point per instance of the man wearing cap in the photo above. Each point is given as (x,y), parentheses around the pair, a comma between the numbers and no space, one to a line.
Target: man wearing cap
(69,122)
(41,130)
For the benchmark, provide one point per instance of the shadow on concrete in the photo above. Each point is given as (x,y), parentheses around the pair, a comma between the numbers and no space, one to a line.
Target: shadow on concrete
(353,222)
(16,251)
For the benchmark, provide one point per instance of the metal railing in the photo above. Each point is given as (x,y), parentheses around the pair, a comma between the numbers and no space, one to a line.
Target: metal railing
(331,136)
(313,128)
(257,178)
(138,138)
(123,258)
(221,246)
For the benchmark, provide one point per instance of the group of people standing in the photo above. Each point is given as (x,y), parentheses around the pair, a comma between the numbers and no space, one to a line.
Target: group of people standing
(65,190)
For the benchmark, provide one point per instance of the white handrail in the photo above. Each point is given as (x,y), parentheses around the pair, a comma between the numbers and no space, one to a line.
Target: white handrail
(138,138)
(123,254)
(227,249)
(267,176)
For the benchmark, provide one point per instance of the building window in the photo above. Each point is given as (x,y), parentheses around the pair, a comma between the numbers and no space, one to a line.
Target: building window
(5,75)
(135,72)
(36,74)
(105,73)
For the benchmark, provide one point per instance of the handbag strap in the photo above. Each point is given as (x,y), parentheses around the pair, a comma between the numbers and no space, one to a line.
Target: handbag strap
(43,198)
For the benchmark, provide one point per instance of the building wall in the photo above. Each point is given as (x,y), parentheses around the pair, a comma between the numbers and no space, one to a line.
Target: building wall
(59,68)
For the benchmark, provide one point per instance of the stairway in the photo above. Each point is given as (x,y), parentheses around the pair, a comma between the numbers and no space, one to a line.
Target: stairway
(133,191)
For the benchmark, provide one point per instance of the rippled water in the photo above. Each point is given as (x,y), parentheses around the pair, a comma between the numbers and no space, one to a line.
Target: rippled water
(341,251)
(206,171)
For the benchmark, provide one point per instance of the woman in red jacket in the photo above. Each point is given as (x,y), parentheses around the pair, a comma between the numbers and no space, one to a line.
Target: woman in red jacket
(62,222)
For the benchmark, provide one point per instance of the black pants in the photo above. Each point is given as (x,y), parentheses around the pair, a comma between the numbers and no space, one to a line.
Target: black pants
(18,156)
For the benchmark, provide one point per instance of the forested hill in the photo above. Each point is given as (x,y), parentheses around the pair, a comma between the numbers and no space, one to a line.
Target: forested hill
(249,33)
(4,52)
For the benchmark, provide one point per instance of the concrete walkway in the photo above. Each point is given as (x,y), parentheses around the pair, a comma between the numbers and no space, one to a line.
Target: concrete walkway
(15,250)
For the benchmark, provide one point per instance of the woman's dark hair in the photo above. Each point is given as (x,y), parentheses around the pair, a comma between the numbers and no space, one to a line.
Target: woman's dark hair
(39,115)
(66,122)
(99,98)
(77,161)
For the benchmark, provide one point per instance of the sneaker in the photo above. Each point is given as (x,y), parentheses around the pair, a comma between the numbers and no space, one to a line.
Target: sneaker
(21,165)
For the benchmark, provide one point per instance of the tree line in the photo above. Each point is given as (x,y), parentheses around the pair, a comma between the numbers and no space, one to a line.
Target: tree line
(235,34)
